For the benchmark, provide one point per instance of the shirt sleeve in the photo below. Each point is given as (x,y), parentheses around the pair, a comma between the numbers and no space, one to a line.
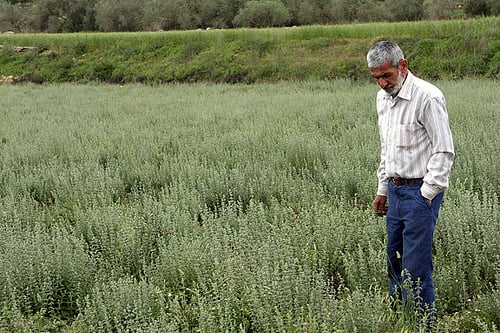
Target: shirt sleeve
(381,173)
(436,123)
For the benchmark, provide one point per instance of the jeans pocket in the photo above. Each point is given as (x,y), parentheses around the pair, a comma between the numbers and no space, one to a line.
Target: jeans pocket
(424,199)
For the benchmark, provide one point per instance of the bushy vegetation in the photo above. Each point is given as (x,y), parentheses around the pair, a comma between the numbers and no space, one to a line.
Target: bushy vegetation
(262,14)
(212,208)
(148,15)
(435,49)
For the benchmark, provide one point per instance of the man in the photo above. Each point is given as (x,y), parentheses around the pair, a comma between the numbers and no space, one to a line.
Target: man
(416,157)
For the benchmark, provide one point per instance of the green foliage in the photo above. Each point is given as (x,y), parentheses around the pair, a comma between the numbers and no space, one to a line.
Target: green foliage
(262,14)
(452,49)
(482,7)
(411,10)
(154,15)
(226,207)
(59,16)
(44,267)
(136,306)
(118,15)
(11,17)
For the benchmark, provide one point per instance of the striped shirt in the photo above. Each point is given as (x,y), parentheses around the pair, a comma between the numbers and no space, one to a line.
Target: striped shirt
(415,136)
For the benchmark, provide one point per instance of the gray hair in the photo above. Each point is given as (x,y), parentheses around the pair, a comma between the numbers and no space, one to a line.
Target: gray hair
(384,51)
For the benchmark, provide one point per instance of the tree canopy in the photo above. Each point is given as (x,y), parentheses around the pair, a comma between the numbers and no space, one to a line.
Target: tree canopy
(149,15)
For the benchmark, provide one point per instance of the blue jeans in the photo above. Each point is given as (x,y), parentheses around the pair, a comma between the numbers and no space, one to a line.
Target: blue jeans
(410,229)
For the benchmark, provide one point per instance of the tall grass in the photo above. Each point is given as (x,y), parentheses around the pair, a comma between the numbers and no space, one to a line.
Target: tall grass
(438,49)
(226,208)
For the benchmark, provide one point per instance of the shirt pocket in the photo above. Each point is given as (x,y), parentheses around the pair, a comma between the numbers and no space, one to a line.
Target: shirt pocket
(406,135)
(409,135)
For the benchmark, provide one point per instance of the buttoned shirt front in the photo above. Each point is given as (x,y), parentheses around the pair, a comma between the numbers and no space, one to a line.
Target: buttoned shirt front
(415,136)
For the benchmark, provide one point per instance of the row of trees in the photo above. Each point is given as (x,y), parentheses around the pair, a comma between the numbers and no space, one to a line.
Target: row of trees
(137,15)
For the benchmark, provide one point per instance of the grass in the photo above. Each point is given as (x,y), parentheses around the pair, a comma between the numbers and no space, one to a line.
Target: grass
(226,208)
(464,48)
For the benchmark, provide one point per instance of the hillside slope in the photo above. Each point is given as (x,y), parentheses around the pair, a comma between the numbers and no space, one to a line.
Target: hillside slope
(435,49)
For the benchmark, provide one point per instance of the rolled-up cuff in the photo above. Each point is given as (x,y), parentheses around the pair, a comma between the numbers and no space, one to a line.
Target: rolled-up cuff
(428,191)
(382,189)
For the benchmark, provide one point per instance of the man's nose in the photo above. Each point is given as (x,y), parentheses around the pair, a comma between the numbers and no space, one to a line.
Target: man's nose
(382,82)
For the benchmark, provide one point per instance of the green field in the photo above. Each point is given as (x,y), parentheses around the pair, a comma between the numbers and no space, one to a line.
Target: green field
(227,208)
(438,49)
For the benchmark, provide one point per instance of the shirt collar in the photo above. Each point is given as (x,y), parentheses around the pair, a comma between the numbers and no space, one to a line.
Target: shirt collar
(405,91)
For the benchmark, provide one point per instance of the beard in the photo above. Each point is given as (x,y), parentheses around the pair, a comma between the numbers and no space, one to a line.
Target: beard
(394,89)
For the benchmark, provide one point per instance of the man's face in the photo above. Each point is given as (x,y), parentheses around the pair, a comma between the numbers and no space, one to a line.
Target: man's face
(390,78)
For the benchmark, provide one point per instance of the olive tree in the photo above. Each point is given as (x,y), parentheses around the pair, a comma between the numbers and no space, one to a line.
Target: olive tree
(61,15)
(265,13)
(161,14)
(405,10)
(12,17)
(482,7)
(119,15)
(436,9)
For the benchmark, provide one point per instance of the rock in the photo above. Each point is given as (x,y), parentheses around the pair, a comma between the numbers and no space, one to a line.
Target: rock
(11,79)
(24,48)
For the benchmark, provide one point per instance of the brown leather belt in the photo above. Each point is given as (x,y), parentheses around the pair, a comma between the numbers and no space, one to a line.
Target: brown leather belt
(404,181)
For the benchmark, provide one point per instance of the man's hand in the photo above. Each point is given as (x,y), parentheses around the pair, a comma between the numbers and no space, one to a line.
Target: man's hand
(380,205)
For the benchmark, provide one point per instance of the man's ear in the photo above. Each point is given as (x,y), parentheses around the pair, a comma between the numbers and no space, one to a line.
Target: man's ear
(403,66)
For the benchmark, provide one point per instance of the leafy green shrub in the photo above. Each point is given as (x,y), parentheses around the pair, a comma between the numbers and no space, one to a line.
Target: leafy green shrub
(226,207)
(435,49)
(468,263)
(118,15)
(262,14)
(42,269)
(123,305)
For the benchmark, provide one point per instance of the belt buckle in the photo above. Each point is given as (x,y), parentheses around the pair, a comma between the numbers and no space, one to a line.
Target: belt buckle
(399,181)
